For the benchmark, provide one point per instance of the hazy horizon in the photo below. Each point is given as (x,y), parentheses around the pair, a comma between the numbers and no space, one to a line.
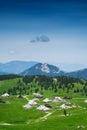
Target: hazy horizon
(50,31)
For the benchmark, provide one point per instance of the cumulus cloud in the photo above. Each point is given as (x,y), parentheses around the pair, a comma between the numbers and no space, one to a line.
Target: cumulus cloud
(42,38)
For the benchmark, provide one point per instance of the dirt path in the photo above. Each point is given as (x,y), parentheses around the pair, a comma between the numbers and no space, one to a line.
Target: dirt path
(7,124)
(45,117)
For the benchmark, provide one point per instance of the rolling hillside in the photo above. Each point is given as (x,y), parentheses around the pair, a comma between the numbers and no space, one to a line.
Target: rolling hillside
(70,95)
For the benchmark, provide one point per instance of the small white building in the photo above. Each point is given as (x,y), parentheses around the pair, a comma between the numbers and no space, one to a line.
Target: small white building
(37,95)
(63,106)
(5,95)
(85,101)
(80,127)
(46,100)
(27,106)
(56,99)
(33,101)
(43,108)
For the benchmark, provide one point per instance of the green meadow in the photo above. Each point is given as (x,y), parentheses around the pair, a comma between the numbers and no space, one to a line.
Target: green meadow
(14,117)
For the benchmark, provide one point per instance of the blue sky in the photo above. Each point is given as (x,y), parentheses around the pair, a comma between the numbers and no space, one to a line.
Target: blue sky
(63,22)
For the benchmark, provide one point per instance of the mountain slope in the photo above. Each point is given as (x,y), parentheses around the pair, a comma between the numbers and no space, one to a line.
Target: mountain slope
(43,69)
(35,68)
(16,67)
(51,70)
(78,74)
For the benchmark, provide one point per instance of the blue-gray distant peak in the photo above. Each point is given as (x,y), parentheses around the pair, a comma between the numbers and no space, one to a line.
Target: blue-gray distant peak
(42,69)
(16,67)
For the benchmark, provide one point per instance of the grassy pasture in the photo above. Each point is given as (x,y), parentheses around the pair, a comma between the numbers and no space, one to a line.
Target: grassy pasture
(14,117)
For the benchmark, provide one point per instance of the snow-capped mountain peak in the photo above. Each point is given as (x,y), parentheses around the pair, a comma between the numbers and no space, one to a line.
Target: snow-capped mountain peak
(45,68)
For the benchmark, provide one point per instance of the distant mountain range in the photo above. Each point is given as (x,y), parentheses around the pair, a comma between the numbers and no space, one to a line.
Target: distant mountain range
(15,67)
(43,69)
(51,70)
(35,68)
(78,74)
